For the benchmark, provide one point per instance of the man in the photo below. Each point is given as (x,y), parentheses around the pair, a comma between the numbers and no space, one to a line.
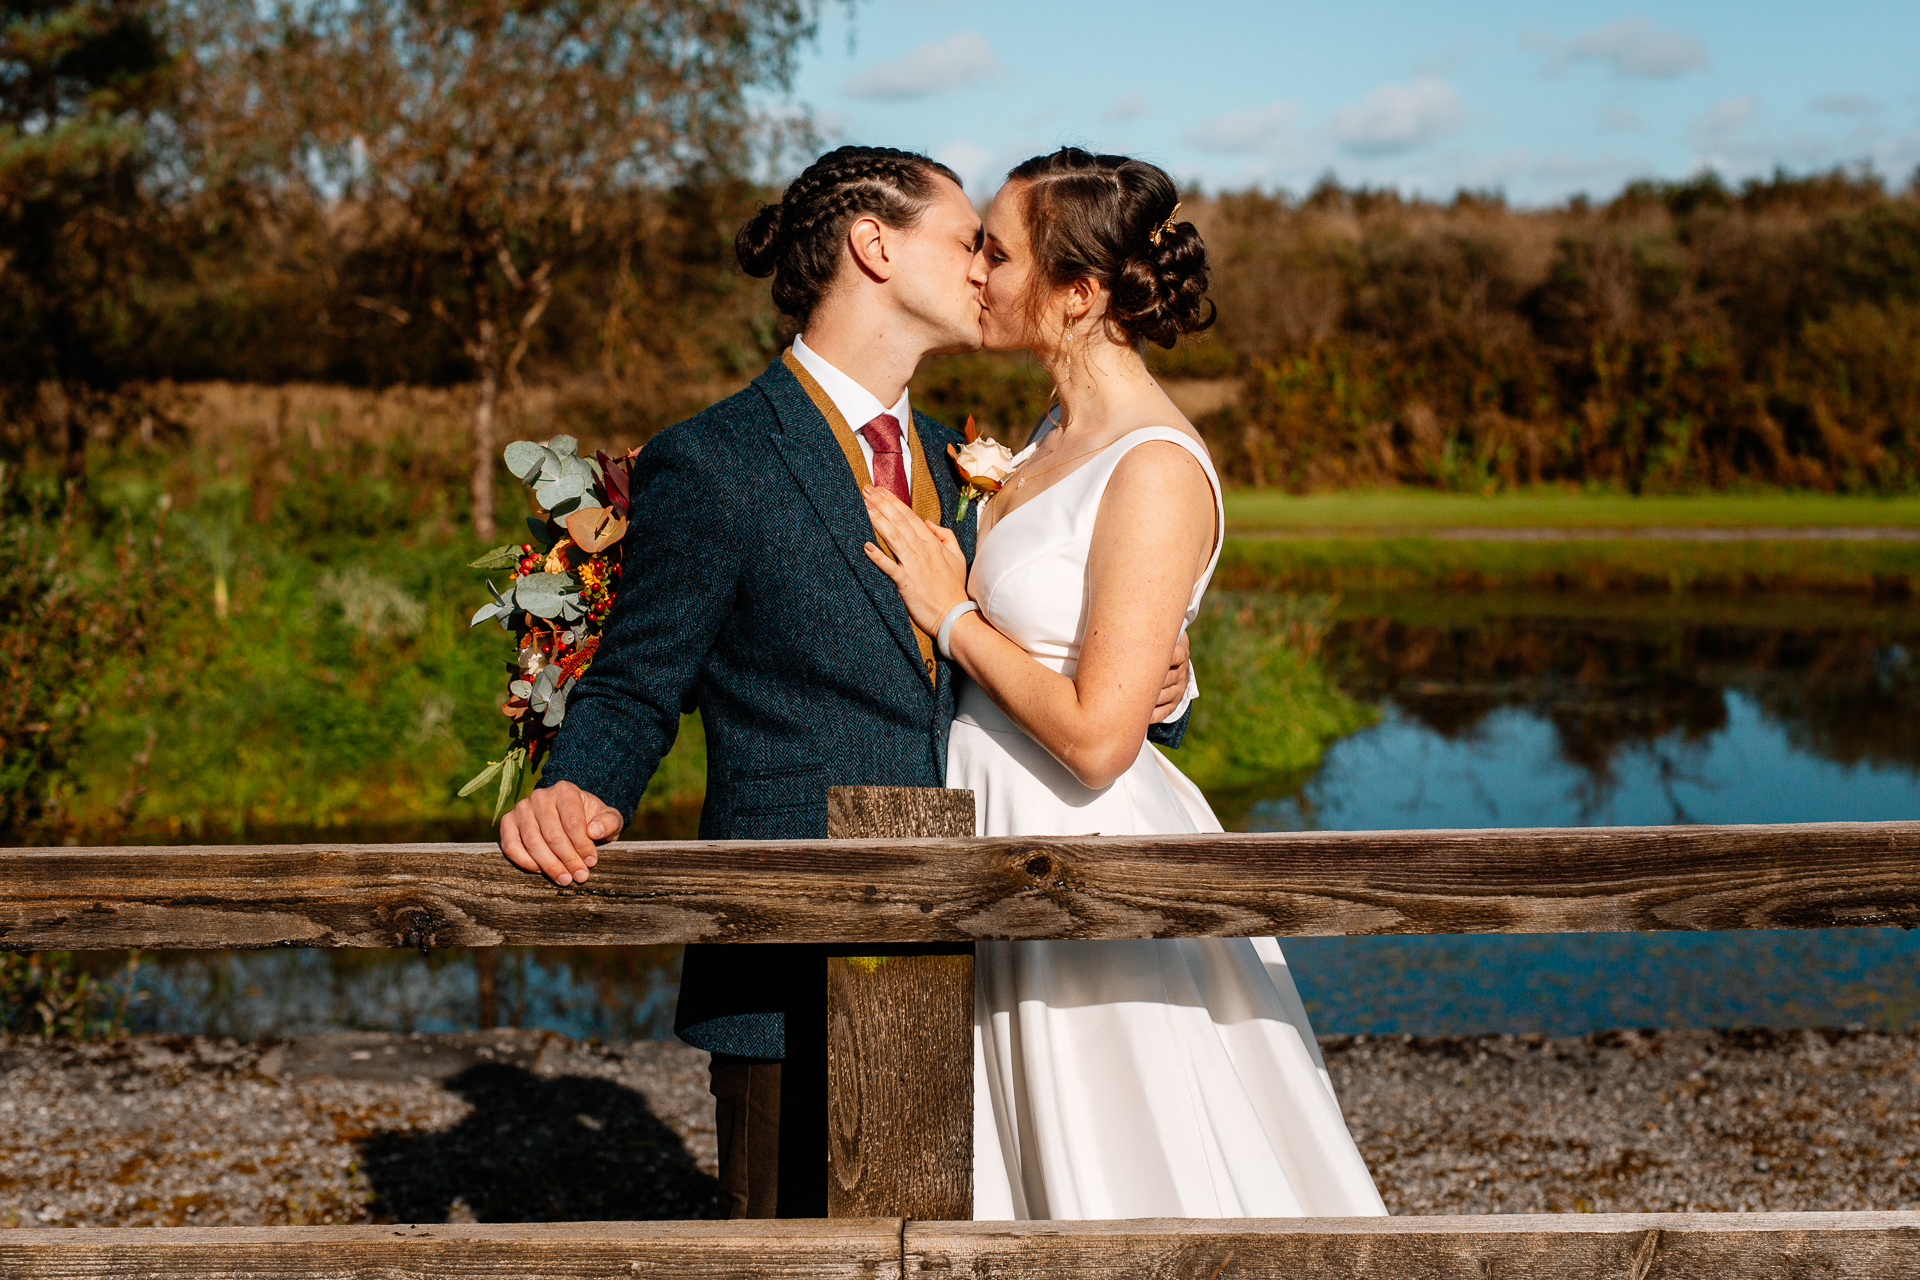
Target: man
(746,594)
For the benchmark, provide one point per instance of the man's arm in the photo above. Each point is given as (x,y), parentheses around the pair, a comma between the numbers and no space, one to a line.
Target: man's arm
(679,569)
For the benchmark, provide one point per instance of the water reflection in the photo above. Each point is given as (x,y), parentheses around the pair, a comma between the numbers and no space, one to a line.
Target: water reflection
(1795,711)
(608,993)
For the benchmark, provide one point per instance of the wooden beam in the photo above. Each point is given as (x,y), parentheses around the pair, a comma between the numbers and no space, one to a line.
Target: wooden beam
(900,1086)
(1572,880)
(809,1249)
(1654,1246)
(899,1042)
(1705,1246)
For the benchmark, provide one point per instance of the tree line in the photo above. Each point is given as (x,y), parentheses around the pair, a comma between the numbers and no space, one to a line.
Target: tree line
(487,192)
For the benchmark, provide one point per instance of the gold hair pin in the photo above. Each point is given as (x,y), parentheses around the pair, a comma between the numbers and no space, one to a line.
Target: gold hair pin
(1165,228)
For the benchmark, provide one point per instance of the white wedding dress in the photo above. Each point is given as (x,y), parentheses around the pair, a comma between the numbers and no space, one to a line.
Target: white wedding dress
(1128,1079)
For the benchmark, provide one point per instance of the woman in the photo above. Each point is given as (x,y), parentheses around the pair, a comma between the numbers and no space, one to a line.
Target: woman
(1153,1078)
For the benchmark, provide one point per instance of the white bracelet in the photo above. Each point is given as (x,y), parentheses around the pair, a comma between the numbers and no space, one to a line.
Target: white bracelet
(946,626)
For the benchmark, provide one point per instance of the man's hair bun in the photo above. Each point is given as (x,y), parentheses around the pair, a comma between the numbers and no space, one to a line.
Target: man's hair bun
(757,243)
(800,240)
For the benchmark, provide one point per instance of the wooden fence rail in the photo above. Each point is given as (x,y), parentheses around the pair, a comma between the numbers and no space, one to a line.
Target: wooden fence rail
(889,1091)
(1626,1246)
(1572,880)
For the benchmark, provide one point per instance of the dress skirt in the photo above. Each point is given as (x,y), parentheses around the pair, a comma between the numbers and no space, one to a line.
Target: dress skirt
(1137,1079)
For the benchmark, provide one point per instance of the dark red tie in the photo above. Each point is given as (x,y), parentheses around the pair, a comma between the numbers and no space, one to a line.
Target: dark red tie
(889,468)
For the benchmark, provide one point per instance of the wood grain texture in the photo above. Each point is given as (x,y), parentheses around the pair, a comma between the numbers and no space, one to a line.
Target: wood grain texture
(806,1250)
(1776,1246)
(899,1042)
(1759,1246)
(900,1086)
(1572,880)
(855,813)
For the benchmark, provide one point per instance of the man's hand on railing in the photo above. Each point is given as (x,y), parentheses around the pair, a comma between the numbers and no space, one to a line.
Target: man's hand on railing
(553,831)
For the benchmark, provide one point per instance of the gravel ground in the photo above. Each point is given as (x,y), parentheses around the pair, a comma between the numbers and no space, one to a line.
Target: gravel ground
(1636,1122)
(507,1126)
(158,1131)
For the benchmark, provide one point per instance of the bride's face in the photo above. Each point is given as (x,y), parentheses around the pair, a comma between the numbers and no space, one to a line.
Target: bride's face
(1007,322)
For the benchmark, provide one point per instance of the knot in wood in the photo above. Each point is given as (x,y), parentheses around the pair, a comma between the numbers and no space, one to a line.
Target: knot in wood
(414,924)
(1039,866)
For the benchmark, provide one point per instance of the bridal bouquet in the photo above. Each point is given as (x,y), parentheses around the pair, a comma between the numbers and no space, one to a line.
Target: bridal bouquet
(560,596)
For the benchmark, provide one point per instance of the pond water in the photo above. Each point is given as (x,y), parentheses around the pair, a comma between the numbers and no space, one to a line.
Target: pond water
(1561,712)
(1496,712)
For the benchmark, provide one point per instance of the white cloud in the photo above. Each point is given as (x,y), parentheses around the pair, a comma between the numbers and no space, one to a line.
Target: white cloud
(933,67)
(1253,129)
(1635,48)
(1399,117)
(970,160)
(1847,104)
(1128,106)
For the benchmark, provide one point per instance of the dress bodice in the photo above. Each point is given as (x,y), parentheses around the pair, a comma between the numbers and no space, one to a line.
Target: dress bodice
(1030,572)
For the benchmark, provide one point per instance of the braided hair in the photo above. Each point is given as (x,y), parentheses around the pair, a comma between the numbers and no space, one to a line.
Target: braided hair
(799,240)
(1109,219)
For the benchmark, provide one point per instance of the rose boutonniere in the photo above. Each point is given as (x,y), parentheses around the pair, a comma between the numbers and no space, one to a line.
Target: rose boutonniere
(983,464)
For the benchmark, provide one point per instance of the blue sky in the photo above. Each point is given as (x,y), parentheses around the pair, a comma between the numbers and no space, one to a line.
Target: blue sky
(1537,100)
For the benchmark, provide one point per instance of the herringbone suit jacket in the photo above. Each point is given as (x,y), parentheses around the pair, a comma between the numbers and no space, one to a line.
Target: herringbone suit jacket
(746,594)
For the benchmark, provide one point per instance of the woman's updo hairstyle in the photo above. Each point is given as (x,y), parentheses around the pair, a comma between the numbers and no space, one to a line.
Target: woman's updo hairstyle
(799,240)
(1105,219)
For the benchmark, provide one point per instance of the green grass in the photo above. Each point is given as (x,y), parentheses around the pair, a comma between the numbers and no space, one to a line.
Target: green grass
(1883,570)
(1378,510)
(1268,709)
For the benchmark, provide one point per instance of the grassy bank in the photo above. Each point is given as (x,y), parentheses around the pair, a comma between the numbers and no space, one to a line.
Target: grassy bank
(1376,511)
(263,637)
(1879,570)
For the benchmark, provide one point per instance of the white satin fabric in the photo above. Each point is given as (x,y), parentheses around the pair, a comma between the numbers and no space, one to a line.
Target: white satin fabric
(1127,1079)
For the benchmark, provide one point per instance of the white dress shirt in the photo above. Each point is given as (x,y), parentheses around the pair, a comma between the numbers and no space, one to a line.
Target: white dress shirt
(856,404)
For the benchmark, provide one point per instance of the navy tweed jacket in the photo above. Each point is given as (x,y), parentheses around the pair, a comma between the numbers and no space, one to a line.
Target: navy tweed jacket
(746,594)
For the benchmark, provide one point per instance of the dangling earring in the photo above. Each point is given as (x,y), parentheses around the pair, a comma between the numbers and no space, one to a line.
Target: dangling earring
(1069,345)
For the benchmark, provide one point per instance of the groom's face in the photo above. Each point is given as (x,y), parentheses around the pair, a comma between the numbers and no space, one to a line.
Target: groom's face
(942,271)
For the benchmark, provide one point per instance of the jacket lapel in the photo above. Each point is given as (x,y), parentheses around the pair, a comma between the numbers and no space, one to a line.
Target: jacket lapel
(808,445)
(947,485)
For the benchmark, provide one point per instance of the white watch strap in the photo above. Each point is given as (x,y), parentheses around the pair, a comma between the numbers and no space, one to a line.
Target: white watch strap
(946,626)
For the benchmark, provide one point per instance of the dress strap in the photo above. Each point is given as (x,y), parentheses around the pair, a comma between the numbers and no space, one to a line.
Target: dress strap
(1119,449)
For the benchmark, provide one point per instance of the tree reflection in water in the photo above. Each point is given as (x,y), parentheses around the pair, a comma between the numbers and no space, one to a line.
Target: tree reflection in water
(1653,689)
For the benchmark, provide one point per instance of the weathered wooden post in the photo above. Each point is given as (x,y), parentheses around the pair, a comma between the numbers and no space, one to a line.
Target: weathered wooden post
(899,1043)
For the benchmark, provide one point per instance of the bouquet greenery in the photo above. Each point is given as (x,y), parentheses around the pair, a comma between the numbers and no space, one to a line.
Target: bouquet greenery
(561,593)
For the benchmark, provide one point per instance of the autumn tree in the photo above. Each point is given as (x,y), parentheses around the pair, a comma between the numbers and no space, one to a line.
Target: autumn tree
(78,81)
(479,135)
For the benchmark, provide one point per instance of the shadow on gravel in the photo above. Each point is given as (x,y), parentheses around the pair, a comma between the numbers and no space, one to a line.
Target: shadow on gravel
(567,1149)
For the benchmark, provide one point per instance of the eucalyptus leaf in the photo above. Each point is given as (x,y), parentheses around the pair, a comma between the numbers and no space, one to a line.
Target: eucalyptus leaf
(548,681)
(554,492)
(543,584)
(501,610)
(509,781)
(498,558)
(524,458)
(557,707)
(543,535)
(482,778)
(565,446)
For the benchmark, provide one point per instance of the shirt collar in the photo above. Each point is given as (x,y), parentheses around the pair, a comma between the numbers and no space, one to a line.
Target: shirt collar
(856,404)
